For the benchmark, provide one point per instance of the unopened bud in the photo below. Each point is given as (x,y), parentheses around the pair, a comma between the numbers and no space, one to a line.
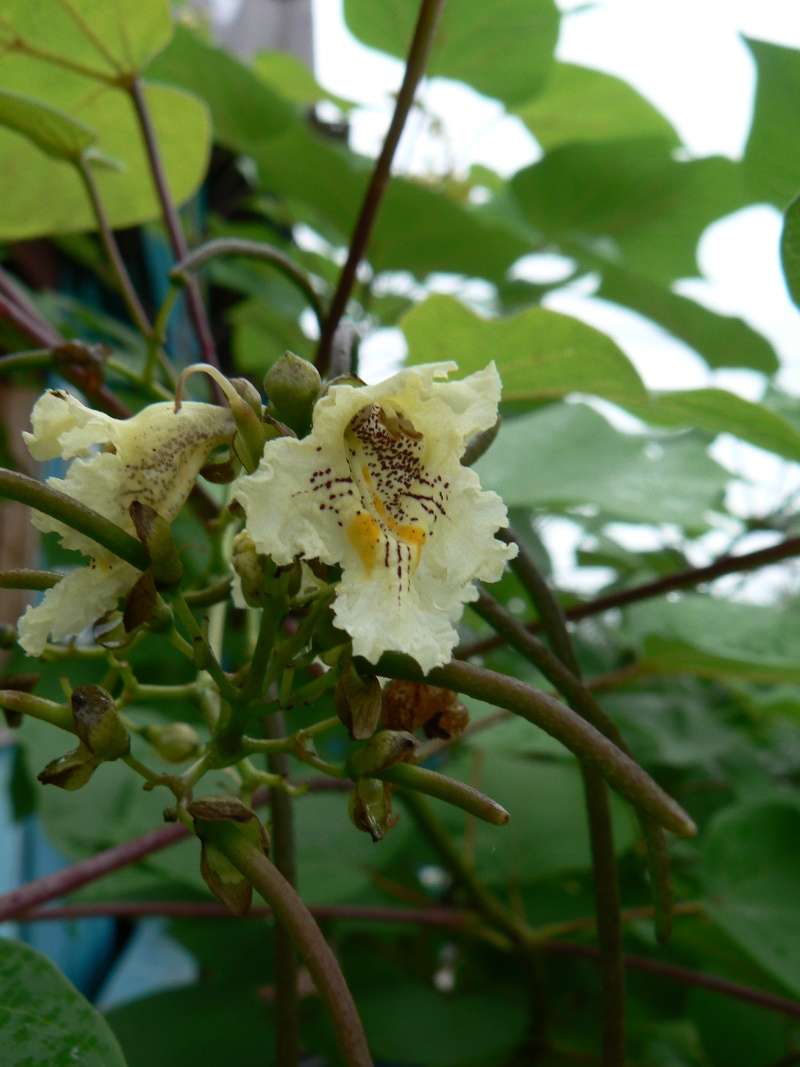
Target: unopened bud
(370,808)
(383,750)
(252,569)
(155,534)
(97,723)
(174,742)
(223,879)
(292,385)
(71,771)
(358,703)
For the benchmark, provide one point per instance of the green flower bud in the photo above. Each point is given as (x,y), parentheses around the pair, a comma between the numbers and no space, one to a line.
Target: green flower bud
(252,569)
(292,385)
(382,751)
(71,771)
(155,534)
(222,878)
(97,723)
(370,808)
(175,742)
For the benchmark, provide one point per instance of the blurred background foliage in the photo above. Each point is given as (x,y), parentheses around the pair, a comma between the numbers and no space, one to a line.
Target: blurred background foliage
(704,684)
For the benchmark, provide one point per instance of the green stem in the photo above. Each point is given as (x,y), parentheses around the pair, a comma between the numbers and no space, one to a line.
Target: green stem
(210,663)
(72,513)
(601,831)
(305,934)
(239,246)
(424,31)
(421,780)
(621,772)
(271,618)
(287,1003)
(37,359)
(38,708)
(212,594)
(27,579)
(112,251)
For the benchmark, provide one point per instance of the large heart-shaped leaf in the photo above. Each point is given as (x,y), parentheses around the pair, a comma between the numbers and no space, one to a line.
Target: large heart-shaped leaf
(540,354)
(44,1020)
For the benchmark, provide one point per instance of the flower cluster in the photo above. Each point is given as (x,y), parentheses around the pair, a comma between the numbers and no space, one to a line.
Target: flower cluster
(153,457)
(377,489)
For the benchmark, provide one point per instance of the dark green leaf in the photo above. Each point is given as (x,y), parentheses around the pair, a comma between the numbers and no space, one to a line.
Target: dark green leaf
(291,79)
(716,639)
(503,49)
(579,104)
(772,156)
(790,249)
(751,870)
(736,1034)
(202,1026)
(540,354)
(44,1020)
(574,458)
(721,340)
(629,201)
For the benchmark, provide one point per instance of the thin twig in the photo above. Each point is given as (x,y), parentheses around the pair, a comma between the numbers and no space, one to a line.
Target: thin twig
(176,235)
(684,579)
(287,1001)
(109,242)
(422,40)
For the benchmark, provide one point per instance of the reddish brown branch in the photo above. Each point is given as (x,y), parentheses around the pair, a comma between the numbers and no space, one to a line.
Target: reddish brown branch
(415,67)
(684,579)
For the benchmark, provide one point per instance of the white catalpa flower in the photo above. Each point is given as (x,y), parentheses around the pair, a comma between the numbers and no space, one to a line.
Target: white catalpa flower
(153,457)
(378,488)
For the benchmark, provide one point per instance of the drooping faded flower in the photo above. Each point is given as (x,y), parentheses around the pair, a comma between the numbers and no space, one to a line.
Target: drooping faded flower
(378,488)
(153,457)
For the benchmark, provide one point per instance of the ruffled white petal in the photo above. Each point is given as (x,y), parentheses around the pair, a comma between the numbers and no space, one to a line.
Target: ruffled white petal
(154,457)
(76,602)
(378,488)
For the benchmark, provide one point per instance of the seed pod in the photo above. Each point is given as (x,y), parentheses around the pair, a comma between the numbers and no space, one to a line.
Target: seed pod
(370,808)
(97,723)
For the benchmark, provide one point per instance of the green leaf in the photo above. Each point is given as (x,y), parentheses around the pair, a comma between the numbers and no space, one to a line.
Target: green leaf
(104,42)
(407,1022)
(261,334)
(574,459)
(418,229)
(751,870)
(579,104)
(39,196)
(206,1025)
(53,131)
(790,249)
(504,49)
(714,638)
(291,79)
(540,354)
(736,1034)
(629,202)
(721,340)
(772,155)
(245,109)
(44,1020)
(718,411)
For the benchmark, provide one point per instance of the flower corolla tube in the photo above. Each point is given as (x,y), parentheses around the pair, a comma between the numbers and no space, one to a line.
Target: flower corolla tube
(378,488)
(153,457)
